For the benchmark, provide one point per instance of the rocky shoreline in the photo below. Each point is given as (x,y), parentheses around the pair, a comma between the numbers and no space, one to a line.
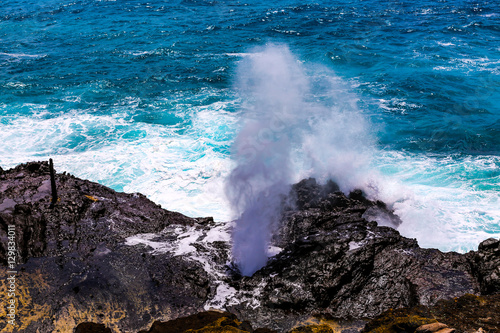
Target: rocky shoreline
(98,257)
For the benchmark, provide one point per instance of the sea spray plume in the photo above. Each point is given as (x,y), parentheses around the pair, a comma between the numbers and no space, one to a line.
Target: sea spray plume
(273,83)
(293,127)
(339,145)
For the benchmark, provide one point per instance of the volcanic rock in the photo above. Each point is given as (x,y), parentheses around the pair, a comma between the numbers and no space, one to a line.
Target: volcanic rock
(486,265)
(338,264)
(466,314)
(429,328)
(74,264)
(210,321)
(92,328)
(120,260)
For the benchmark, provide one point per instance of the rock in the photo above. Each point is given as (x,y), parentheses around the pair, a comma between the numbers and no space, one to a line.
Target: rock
(220,322)
(118,259)
(75,265)
(313,329)
(392,323)
(337,264)
(486,266)
(469,313)
(446,330)
(204,322)
(91,328)
(429,328)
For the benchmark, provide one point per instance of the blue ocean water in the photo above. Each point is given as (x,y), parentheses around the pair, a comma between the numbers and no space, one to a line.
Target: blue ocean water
(144,97)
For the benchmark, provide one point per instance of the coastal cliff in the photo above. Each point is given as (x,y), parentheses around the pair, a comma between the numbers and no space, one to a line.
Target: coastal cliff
(116,259)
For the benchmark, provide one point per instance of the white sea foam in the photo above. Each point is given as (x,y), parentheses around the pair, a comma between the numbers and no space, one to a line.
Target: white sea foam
(442,68)
(273,250)
(445,43)
(354,246)
(147,240)
(240,54)
(22,55)
(426,11)
(182,172)
(224,296)
(181,242)
(471,65)
(445,202)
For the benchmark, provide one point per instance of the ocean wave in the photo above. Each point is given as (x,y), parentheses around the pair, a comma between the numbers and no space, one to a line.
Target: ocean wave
(183,171)
(446,202)
(22,55)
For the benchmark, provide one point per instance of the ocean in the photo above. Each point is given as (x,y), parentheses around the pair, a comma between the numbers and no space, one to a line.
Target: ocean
(149,97)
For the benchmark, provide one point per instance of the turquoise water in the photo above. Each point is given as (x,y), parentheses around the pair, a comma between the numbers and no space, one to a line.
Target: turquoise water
(144,97)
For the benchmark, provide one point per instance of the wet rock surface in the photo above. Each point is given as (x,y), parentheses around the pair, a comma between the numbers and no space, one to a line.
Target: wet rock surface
(336,263)
(120,260)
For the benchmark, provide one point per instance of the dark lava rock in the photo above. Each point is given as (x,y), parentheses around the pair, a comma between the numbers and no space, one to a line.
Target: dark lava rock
(338,264)
(486,265)
(223,322)
(98,256)
(313,329)
(91,328)
(210,321)
(469,313)
(74,264)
